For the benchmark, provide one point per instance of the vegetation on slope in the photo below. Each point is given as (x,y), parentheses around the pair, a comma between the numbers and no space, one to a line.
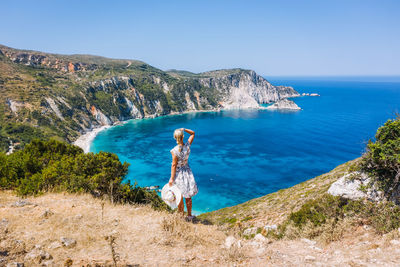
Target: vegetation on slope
(306,210)
(55,166)
(81,84)
(382,159)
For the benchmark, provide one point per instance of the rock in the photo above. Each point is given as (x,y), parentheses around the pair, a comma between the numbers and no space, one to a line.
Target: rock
(395,242)
(114,233)
(68,242)
(272,227)
(15,264)
(79,216)
(47,213)
(250,231)
(350,186)
(4,226)
(314,94)
(48,263)
(239,244)
(255,244)
(14,105)
(284,104)
(229,241)
(21,203)
(37,255)
(54,107)
(316,248)
(309,258)
(260,251)
(308,241)
(260,238)
(54,245)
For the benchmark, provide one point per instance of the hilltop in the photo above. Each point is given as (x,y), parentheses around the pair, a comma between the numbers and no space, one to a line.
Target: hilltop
(47,95)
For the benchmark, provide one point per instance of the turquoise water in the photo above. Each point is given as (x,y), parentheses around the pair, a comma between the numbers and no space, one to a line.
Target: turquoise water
(240,155)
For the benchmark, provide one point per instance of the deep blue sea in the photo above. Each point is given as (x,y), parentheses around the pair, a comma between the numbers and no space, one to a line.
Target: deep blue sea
(240,155)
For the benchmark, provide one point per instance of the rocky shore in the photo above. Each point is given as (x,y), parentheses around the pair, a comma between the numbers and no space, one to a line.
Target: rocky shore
(284,104)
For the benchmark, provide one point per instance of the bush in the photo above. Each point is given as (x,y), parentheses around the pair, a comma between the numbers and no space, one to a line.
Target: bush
(382,159)
(56,166)
(327,216)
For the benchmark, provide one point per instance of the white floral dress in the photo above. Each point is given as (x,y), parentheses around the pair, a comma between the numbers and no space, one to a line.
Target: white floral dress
(184,178)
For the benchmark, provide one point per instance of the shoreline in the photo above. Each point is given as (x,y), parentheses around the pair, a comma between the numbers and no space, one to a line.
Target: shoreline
(85,140)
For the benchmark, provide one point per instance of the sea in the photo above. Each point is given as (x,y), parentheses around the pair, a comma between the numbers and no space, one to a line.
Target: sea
(238,155)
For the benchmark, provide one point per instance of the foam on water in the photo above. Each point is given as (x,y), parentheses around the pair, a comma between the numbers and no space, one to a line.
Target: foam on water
(240,155)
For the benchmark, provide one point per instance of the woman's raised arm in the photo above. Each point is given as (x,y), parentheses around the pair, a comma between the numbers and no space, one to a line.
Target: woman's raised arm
(191,137)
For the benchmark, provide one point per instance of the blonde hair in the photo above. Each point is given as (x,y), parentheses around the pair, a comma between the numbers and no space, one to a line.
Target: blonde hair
(178,135)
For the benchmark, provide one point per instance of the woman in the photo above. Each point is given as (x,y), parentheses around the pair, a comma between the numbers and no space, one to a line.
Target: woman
(181,174)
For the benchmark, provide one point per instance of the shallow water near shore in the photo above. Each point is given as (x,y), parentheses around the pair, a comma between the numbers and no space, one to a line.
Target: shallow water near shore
(243,154)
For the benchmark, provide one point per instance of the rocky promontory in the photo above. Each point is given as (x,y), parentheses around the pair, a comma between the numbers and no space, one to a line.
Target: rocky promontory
(284,104)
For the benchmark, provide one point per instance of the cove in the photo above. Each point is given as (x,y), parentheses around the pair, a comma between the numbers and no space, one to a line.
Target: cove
(238,155)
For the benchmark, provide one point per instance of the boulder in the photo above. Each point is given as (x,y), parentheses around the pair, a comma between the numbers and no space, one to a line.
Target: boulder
(229,241)
(15,264)
(355,185)
(68,242)
(37,255)
(250,231)
(272,227)
(47,213)
(395,242)
(309,258)
(308,241)
(54,245)
(260,238)
(21,203)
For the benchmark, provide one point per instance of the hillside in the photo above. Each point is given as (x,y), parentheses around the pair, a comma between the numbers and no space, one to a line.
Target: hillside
(274,208)
(79,230)
(48,95)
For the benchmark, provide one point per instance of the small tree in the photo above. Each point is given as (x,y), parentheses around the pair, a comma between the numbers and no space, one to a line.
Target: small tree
(382,159)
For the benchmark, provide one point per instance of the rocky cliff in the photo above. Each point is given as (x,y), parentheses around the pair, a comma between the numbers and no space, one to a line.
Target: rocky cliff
(44,95)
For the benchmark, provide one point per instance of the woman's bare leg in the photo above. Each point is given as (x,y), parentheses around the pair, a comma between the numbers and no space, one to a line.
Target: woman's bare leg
(181,207)
(189,206)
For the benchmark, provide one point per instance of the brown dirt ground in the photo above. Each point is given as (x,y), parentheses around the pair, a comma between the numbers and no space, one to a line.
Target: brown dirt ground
(133,235)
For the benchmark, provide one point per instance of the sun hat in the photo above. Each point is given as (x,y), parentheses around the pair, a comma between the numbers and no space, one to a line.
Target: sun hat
(171,195)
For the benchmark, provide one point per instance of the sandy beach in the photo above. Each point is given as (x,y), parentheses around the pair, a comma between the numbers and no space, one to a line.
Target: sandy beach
(86,139)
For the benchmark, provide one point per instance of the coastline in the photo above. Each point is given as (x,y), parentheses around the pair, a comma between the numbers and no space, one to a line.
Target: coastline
(85,140)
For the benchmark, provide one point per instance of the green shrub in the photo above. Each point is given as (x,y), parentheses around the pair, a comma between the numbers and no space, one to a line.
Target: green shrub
(56,166)
(327,214)
(382,159)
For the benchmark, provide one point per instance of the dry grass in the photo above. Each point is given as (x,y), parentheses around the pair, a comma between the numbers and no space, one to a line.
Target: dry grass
(132,234)
(326,233)
(106,233)
(275,207)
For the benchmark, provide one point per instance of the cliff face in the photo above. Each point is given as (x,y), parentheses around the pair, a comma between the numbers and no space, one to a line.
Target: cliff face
(246,89)
(62,95)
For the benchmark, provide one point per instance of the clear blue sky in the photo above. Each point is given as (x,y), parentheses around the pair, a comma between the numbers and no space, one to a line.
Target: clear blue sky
(272,37)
